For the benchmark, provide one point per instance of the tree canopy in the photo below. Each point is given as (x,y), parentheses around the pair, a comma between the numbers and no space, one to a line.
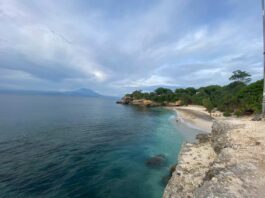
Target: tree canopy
(241,76)
(161,91)
(237,97)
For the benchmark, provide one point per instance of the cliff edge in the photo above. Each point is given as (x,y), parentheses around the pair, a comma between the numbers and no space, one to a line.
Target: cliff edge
(228,162)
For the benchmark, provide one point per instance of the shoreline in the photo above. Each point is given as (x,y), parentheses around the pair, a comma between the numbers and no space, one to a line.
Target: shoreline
(195,117)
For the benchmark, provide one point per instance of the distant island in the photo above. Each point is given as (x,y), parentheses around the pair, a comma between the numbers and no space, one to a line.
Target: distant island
(240,97)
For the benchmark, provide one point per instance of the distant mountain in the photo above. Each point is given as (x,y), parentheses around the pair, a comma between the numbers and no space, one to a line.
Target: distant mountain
(84,92)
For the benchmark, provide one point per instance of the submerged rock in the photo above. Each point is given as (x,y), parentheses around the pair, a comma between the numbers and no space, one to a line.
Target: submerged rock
(157,161)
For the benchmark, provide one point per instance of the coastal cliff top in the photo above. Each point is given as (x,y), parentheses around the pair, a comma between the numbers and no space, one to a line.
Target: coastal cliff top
(231,163)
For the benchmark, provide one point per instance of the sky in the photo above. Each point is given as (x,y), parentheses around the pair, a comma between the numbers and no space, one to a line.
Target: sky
(117,46)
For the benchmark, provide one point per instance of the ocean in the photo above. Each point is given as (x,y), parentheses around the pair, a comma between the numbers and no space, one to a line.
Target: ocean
(65,146)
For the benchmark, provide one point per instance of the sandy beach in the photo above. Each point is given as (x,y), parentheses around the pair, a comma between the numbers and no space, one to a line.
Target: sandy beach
(195,117)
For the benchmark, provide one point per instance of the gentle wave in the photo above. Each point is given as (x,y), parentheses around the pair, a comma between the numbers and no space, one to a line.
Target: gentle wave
(82,152)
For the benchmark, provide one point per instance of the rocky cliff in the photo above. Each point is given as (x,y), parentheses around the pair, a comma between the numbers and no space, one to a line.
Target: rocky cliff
(229,162)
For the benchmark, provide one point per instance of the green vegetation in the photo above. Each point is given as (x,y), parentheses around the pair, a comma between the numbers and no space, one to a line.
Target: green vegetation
(238,97)
(226,114)
(208,104)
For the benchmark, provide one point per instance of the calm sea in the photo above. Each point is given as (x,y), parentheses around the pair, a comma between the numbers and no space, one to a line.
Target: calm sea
(57,146)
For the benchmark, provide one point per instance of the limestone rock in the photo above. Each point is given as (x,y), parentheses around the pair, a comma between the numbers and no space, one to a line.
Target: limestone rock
(231,164)
(194,161)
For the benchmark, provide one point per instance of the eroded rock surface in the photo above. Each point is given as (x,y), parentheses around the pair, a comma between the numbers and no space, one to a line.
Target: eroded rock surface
(230,164)
(194,161)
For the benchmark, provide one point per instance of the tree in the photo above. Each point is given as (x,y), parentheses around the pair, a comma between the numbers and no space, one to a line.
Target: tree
(191,91)
(162,91)
(137,94)
(240,76)
(185,99)
(207,103)
(250,97)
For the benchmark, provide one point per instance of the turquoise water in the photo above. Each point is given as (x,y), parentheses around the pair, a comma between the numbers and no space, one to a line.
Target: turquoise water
(57,146)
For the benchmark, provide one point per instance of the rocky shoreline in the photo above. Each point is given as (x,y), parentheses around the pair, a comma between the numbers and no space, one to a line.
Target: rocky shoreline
(228,162)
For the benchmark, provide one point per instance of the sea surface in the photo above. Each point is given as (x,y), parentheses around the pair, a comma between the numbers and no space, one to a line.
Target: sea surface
(63,146)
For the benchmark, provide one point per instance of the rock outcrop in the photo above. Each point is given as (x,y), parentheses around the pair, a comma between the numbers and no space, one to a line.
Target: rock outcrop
(146,103)
(229,162)
(138,102)
(125,100)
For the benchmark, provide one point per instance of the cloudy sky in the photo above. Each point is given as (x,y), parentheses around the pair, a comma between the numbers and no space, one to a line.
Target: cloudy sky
(116,46)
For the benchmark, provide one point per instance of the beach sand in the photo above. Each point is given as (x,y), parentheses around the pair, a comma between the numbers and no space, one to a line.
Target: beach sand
(195,117)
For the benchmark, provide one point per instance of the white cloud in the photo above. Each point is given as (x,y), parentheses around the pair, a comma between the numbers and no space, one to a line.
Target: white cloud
(160,45)
(40,44)
(153,80)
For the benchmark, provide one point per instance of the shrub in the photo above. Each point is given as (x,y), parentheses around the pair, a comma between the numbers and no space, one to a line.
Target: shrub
(238,113)
(226,114)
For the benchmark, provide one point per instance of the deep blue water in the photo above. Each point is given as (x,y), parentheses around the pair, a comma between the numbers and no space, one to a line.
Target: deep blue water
(57,146)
